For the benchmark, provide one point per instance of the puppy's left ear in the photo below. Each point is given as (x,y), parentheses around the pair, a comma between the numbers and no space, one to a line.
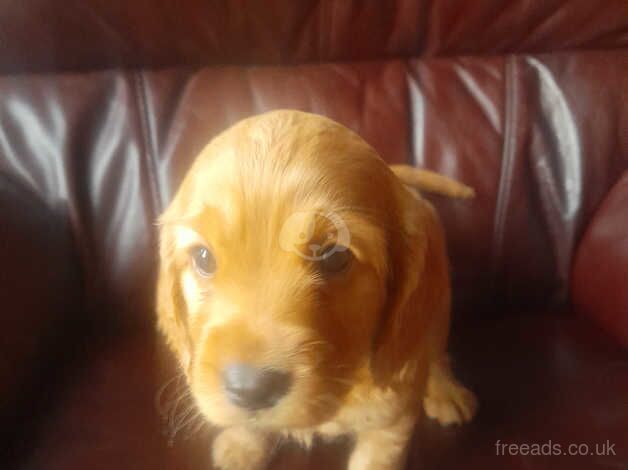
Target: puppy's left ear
(415,319)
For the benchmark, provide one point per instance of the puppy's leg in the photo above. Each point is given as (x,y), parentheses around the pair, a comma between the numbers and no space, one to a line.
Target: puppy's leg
(447,400)
(382,449)
(241,448)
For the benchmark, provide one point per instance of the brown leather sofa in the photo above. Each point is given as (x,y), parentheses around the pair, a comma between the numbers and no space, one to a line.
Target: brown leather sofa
(103,105)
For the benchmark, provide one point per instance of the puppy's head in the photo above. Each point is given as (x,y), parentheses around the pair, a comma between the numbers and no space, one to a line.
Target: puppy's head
(289,260)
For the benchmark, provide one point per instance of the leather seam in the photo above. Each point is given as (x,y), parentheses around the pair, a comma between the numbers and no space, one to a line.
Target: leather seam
(148,139)
(507,164)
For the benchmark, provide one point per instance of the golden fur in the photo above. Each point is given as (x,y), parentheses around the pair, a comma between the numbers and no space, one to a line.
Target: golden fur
(366,346)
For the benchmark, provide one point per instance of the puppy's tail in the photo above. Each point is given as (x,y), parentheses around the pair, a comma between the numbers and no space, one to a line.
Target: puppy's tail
(431,182)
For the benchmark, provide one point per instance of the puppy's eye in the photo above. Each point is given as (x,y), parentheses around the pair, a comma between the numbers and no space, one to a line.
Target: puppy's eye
(335,259)
(203,260)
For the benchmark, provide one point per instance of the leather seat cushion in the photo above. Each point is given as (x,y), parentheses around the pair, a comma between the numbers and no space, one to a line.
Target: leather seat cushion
(539,377)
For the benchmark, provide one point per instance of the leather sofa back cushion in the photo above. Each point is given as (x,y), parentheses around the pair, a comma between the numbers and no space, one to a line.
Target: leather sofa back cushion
(600,278)
(539,138)
(41,35)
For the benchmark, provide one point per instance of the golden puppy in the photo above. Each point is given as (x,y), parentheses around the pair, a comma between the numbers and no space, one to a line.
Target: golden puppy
(305,290)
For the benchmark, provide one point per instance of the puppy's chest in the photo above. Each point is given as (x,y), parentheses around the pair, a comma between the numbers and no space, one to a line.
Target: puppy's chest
(364,410)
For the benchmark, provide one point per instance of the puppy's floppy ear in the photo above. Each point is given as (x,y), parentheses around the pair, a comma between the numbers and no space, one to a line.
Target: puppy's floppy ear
(171,306)
(416,314)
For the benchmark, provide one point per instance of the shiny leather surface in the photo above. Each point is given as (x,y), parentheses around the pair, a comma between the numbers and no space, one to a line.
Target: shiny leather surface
(94,153)
(600,273)
(114,146)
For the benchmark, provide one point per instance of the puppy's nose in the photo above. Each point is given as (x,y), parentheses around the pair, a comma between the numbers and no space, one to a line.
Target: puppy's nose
(253,388)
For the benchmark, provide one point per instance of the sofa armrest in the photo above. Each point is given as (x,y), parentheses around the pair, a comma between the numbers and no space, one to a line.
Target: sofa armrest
(600,273)
(39,282)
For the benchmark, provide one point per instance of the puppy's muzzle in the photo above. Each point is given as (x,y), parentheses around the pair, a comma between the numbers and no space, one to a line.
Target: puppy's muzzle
(254,388)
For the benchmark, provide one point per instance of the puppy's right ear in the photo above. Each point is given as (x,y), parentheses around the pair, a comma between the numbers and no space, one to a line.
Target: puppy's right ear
(171,306)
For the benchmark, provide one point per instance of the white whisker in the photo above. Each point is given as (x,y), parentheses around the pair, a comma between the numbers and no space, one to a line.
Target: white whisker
(178,410)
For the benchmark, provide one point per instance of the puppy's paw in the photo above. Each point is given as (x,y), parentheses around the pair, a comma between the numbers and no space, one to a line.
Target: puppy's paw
(241,449)
(447,400)
(383,448)
(450,403)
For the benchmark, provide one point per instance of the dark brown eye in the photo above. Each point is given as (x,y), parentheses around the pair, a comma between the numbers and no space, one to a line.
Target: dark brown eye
(203,260)
(335,259)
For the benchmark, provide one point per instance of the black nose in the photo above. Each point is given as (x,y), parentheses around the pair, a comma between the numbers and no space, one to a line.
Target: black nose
(252,388)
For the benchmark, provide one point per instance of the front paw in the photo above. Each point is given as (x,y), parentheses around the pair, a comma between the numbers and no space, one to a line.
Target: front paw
(241,449)
(372,460)
(383,449)
(453,404)
(447,400)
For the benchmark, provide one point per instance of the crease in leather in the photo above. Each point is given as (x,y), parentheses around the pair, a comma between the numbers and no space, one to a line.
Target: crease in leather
(149,157)
(511,92)
(410,120)
(417,119)
(474,89)
(558,170)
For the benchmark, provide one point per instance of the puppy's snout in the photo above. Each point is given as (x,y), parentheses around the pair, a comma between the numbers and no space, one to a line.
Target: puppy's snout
(254,388)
